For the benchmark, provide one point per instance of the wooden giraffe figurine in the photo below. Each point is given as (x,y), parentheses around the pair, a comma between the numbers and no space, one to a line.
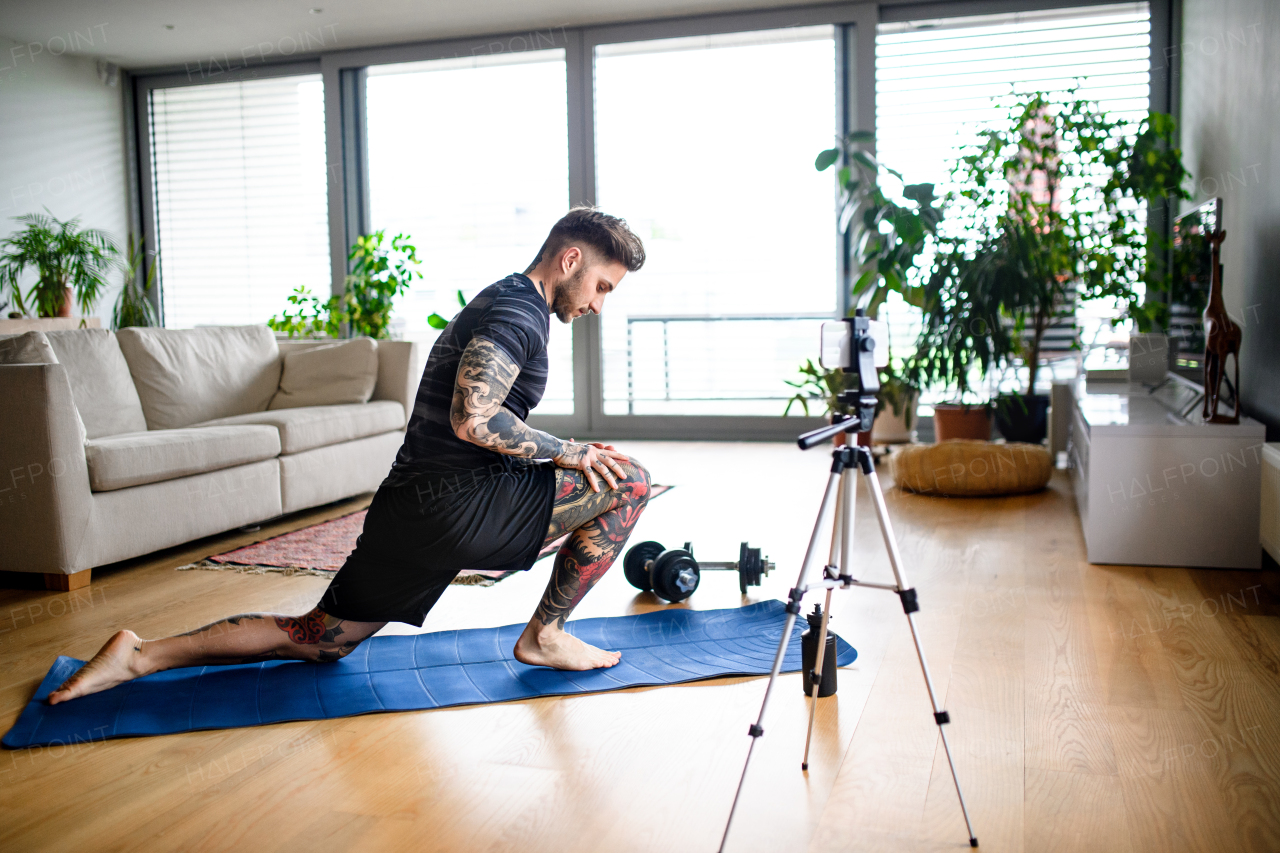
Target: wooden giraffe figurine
(1221,338)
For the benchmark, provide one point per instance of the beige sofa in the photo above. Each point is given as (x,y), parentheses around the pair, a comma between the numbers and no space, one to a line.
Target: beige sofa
(149,438)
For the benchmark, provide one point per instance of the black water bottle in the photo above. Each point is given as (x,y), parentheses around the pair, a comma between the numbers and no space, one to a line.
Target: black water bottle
(809,655)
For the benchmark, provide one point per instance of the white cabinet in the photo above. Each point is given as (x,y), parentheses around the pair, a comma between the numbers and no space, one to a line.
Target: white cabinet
(1156,486)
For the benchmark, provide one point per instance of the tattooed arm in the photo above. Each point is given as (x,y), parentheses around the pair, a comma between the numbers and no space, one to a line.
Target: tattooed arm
(485,376)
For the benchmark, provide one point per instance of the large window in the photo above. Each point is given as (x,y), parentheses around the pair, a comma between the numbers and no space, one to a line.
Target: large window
(706,145)
(469,156)
(939,82)
(702,133)
(240,198)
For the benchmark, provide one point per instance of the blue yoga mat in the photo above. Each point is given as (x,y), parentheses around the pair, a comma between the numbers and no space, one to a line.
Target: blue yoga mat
(408,673)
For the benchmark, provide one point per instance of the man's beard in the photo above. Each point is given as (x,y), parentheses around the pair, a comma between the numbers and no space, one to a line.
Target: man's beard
(562,303)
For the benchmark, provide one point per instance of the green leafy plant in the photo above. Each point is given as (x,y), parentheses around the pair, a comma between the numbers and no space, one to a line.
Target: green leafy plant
(438,322)
(962,332)
(818,384)
(1046,205)
(312,316)
(378,275)
(1032,186)
(133,305)
(885,238)
(897,392)
(63,255)
(1148,167)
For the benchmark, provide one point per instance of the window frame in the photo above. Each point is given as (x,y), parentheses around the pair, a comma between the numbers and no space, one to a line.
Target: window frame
(142,87)
(346,155)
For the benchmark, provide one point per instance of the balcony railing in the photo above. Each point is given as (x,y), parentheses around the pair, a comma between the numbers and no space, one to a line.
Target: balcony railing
(665,320)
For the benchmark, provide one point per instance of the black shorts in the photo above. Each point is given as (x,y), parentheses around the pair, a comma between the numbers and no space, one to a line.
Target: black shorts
(418,536)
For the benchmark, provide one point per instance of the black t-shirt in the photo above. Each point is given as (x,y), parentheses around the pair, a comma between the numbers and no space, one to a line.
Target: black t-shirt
(510,313)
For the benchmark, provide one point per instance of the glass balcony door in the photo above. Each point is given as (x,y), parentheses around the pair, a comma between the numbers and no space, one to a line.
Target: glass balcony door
(705,145)
(469,156)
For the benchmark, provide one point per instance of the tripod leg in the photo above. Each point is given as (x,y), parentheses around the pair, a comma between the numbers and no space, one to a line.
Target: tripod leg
(909,606)
(756,729)
(793,610)
(841,548)
(816,679)
(846,519)
(832,492)
(837,528)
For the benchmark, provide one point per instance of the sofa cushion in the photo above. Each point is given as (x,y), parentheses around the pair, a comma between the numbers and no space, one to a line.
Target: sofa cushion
(133,459)
(33,348)
(26,348)
(188,376)
(100,381)
(328,375)
(318,426)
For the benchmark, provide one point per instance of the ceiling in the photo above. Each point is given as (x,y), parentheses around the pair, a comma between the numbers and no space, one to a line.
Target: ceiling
(137,34)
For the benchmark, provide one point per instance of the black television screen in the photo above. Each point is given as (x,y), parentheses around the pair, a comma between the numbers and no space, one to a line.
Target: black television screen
(1192,269)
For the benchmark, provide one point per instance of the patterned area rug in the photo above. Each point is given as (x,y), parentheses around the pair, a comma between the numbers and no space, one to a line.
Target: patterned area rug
(322,548)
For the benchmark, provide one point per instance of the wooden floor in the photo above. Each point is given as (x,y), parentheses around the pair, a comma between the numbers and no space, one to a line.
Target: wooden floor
(1095,708)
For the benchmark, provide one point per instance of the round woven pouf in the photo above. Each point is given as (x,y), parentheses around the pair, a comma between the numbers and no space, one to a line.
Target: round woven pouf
(963,468)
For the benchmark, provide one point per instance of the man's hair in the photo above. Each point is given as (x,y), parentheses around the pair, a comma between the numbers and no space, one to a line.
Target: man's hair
(608,236)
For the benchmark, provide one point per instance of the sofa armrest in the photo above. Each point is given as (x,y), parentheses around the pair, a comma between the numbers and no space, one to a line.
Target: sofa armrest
(399,372)
(45,500)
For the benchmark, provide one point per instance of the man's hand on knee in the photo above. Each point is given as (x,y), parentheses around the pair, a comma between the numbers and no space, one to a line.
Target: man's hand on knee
(594,459)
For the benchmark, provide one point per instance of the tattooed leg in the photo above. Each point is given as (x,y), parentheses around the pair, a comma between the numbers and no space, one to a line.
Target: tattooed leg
(246,638)
(601,523)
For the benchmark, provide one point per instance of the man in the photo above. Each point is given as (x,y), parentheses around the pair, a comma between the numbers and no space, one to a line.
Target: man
(466,490)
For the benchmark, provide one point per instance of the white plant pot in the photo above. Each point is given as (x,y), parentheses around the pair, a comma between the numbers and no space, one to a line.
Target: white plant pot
(892,429)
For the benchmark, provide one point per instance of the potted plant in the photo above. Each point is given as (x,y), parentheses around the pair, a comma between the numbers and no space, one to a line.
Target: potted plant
(896,406)
(378,275)
(818,383)
(961,338)
(884,237)
(1031,282)
(70,264)
(1047,205)
(133,305)
(312,317)
(1146,166)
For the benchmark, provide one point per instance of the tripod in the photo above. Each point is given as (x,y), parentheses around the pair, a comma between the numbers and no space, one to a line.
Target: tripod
(840,495)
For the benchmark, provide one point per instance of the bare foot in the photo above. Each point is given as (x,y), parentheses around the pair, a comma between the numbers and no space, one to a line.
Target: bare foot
(560,650)
(115,663)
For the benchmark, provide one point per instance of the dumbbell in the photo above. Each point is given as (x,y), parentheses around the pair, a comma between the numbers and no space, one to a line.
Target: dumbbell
(674,574)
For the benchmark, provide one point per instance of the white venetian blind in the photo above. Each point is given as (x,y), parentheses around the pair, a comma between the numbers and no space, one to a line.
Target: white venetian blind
(240,197)
(939,82)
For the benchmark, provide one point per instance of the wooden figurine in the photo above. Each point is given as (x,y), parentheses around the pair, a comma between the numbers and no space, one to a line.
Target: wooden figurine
(1221,338)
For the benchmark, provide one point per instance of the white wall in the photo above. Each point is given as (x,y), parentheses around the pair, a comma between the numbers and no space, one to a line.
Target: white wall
(1230,52)
(61,145)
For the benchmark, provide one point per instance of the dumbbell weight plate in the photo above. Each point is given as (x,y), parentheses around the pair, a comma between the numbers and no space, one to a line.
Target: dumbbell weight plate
(633,563)
(750,567)
(675,575)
